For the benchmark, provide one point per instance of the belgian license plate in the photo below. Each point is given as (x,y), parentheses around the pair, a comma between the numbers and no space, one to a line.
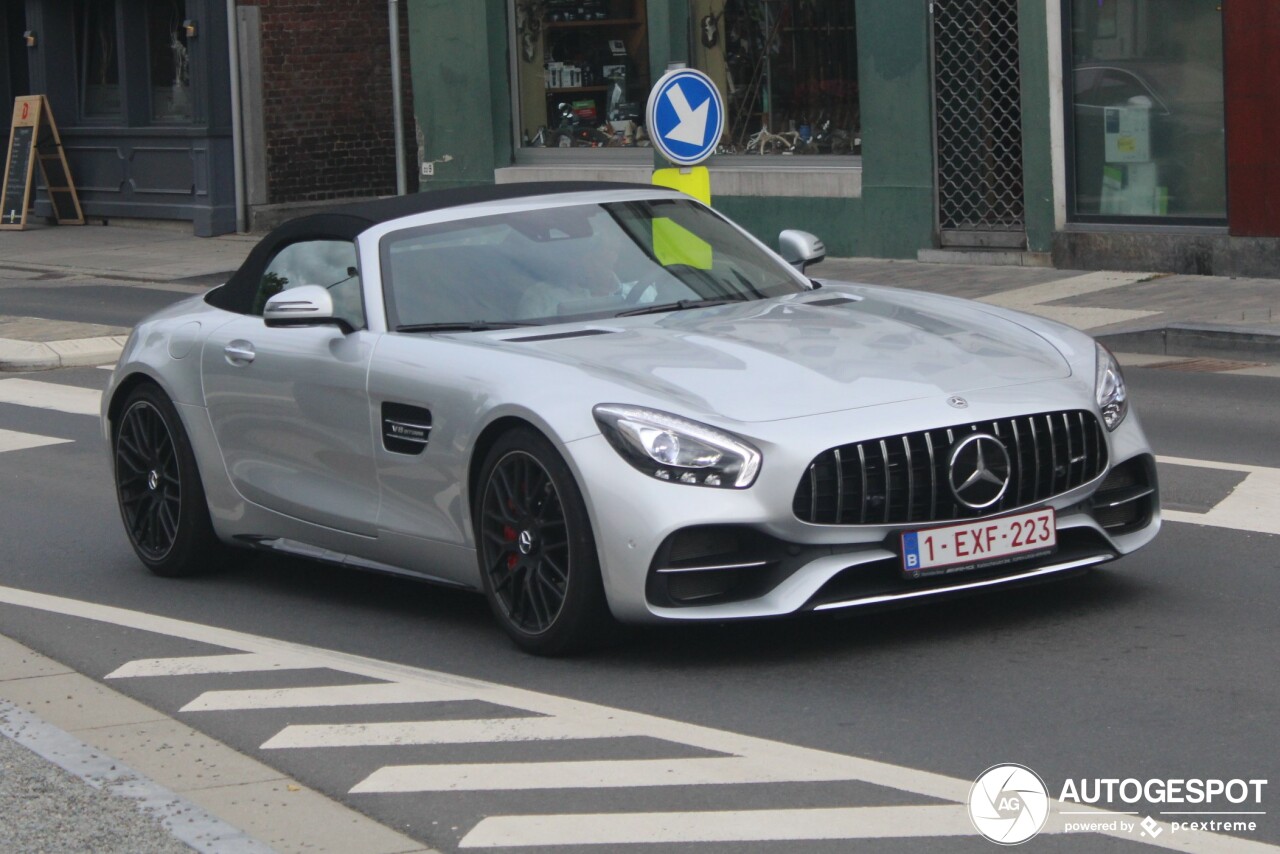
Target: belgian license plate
(978,545)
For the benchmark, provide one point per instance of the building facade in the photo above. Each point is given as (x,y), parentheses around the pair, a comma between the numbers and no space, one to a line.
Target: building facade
(145,91)
(1132,134)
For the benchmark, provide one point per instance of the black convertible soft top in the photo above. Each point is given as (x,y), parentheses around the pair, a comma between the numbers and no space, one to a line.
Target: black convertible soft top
(344,222)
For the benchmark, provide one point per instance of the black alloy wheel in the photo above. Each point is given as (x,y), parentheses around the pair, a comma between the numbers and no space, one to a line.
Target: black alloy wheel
(537,556)
(158,486)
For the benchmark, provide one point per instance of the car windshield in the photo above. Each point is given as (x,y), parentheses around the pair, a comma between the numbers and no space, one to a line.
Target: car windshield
(573,262)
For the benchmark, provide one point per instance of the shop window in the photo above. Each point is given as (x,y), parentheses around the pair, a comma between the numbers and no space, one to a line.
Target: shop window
(1146,89)
(169,61)
(582,72)
(788,70)
(98,59)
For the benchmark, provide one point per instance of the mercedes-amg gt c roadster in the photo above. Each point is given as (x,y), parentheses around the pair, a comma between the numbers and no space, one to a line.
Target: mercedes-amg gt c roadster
(607,402)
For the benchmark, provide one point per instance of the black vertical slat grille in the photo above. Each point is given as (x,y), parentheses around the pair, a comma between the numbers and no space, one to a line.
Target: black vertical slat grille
(904,479)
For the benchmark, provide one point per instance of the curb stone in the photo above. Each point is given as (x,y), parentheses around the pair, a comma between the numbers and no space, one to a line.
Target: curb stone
(1198,339)
(18,355)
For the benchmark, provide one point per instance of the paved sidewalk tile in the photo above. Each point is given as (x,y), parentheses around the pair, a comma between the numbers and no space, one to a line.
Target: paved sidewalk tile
(289,817)
(43,329)
(72,702)
(156,253)
(177,756)
(18,662)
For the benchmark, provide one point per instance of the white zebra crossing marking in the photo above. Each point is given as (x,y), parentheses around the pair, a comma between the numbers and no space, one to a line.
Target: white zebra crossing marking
(12,440)
(377,694)
(589,774)
(728,826)
(41,395)
(786,825)
(1254,505)
(246,662)
(749,750)
(477,731)
(1032,299)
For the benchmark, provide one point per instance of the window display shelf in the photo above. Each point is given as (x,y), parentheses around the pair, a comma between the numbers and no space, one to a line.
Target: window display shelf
(577,88)
(607,22)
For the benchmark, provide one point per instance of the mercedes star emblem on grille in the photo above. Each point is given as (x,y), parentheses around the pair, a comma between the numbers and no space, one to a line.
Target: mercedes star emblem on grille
(979,470)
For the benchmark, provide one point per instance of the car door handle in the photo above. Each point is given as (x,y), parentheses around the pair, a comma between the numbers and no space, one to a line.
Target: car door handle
(239,352)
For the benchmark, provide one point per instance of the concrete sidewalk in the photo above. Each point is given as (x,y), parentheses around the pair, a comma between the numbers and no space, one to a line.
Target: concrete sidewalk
(1158,314)
(85,768)
(151,252)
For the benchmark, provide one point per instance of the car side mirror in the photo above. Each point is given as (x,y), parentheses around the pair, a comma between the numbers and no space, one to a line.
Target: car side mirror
(800,248)
(305,305)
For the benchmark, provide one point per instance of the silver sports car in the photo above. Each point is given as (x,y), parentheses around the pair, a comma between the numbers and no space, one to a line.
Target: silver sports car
(601,402)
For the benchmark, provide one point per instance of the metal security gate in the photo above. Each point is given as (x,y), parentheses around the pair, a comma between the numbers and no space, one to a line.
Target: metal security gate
(977,109)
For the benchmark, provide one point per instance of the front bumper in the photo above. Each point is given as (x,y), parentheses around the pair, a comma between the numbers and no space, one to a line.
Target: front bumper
(676,552)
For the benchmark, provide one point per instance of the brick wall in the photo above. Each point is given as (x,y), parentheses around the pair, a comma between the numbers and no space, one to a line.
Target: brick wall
(326,86)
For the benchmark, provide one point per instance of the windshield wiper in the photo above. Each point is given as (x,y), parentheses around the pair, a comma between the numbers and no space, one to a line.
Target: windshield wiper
(678,305)
(472,326)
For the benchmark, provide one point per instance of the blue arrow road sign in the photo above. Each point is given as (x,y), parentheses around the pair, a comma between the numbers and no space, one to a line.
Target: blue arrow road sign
(685,116)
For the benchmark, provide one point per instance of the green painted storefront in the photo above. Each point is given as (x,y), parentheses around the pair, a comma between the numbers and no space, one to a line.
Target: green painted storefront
(462,87)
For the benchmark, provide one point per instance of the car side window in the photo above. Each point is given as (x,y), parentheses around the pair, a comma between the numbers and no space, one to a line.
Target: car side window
(329,263)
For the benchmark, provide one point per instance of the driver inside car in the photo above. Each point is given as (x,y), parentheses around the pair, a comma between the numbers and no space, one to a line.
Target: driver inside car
(590,280)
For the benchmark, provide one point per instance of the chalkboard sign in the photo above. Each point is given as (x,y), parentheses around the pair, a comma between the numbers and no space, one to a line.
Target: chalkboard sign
(17,178)
(35,139)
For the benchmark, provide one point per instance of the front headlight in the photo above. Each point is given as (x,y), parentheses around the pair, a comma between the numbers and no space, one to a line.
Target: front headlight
(675,449)
(1113,400)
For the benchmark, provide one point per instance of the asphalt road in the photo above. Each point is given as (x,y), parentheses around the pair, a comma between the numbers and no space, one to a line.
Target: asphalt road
(1162,665)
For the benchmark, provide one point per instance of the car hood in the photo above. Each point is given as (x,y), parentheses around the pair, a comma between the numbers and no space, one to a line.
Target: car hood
(790,357)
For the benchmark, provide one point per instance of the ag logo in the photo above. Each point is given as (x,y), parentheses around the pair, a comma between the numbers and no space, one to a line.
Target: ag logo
(1008,804)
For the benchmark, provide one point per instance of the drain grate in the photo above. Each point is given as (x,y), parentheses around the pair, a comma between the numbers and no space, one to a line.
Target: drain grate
(1204,366)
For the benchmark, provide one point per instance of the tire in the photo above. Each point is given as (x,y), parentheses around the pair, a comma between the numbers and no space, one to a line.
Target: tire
(158,487)
(537,555)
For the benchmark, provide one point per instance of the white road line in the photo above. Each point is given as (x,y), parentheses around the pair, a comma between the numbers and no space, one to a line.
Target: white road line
(729,826)
(1210,464)
(42,395)
(479,731)
(1072,286)
(1254,505)
(241,662)
(608,774)
(1032,299)
(802,761)
(1085,317)
(12,440)
(785,825)
(376,694)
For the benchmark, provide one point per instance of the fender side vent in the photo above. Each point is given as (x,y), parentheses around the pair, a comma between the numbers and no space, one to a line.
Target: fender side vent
(554,336)
(831,301)
(405,429)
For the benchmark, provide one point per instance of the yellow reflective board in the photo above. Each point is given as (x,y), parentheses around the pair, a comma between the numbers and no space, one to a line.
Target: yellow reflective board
(694,182)
(675,244)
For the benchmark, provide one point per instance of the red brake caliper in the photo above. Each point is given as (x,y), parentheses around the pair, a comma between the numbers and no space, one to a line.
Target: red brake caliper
(509,535)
